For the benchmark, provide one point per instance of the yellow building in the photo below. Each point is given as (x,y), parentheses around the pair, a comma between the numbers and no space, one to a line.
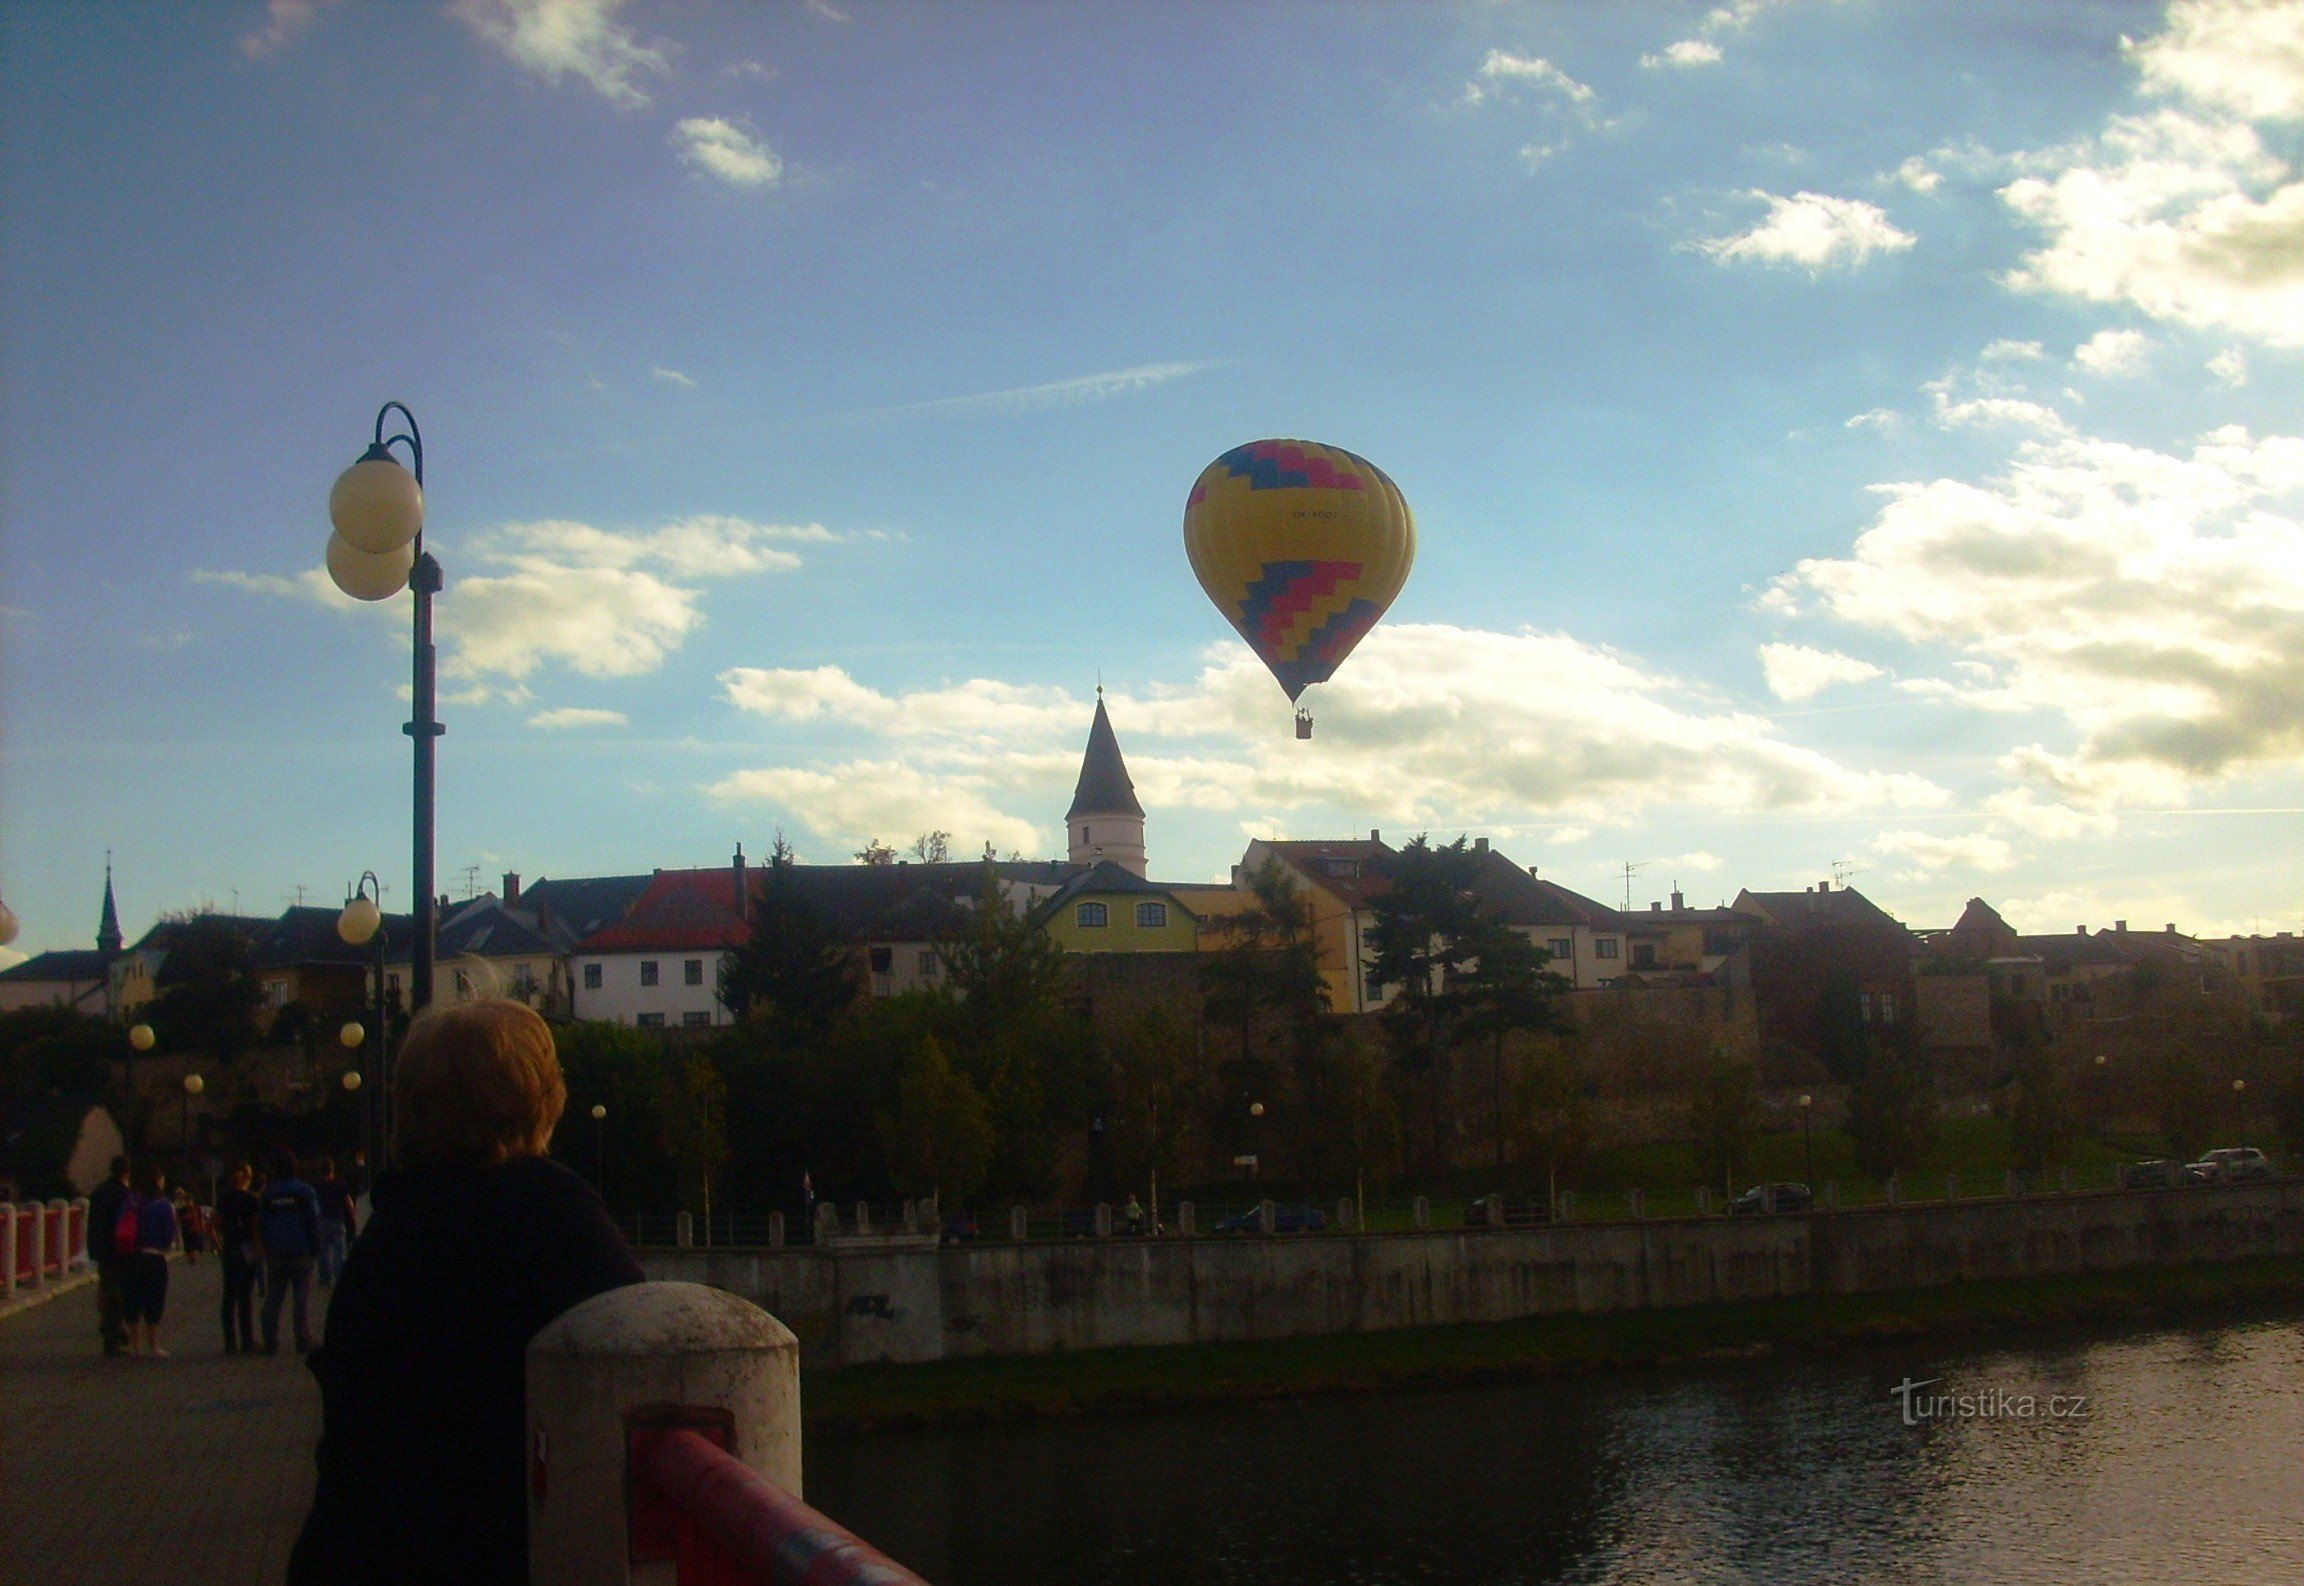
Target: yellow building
(1339,882)
(1108,909)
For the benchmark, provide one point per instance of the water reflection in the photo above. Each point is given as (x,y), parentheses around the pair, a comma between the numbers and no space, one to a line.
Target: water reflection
(2182,1466)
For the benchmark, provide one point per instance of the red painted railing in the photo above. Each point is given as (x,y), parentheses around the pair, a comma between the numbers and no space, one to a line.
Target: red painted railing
(59,1232)
(724,1524)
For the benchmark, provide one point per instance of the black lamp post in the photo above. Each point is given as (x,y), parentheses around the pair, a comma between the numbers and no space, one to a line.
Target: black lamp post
(600,1147)
(377,550)
(362,922)
(1807,1104)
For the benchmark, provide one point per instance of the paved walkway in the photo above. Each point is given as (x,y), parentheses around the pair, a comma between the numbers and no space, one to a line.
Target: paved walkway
(192,1471)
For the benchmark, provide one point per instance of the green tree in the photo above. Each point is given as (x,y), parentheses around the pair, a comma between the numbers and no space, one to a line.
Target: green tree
(939,1139)
(1263,983)
(1892,1107)
(57,1052)
(1509,990)
(1724,1115)
(695,1125)
(207,990)
(2187,1098)
(790,971)
(1548,1114)
(1151,1102)
(2041,1118)
(624,1070)
(1843,1040)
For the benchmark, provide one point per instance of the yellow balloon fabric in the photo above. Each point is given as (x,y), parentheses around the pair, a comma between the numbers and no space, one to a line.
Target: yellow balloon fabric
(1302,547)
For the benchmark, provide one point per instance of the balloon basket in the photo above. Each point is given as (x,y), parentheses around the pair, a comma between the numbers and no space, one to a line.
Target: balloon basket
(1303,724)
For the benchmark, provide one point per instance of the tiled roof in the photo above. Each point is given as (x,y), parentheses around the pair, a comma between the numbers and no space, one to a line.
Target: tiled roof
(306,934)
(1836,905)
(573,909)
(1104,788)
(679,909)
(1352,871)
(1527,901)
(75,964)
(1106,877)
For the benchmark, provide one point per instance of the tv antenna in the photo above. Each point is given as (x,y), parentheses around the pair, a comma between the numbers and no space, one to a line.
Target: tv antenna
(1842,869)
(1631,870)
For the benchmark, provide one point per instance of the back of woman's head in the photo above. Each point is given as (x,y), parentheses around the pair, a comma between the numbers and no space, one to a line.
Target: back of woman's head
(476,1083)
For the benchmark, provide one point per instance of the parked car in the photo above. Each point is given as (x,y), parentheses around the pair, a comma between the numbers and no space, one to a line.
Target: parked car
(2232,1164)
(1288,1217)
(1787,1198)
(2158,1173)
(1530,1213)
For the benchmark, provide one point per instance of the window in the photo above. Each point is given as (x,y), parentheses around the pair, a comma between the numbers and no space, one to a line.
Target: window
(1151,916)
(1887,1007)
(650,1021)
(1083,836)
(1342,869)
(1563,947)
(1643,956)
(692,972)
(883,960)
(1719,944)
(648,971)
(930,966)
(1092,916)
(591,977)
(693,1018)
(1603,947)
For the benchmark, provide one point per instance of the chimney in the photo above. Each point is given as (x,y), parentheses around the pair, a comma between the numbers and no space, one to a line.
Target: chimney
(1654,907)
(2170,927)
(511,887)
(1823,886)
(2082,929)
(2120,926)
(736,868)
(1677,905)
(1375,836)
(1531,872)
(1480,846)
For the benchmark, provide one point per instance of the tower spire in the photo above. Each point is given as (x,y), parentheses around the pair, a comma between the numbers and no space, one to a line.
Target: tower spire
(1105,821)
(108,938)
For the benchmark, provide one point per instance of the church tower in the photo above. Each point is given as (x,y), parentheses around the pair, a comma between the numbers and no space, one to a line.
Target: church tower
(108,938)
(1105,821)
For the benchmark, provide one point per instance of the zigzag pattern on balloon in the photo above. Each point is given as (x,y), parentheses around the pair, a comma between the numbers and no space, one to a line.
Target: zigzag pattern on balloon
(1281,465)
(1284,592)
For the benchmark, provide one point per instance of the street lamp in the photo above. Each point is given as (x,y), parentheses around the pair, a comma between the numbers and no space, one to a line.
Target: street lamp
(2240,1106)
(377,550)
(140,1039)
(1256,1142)
(1807,1105)
(362,922)
(600,1148)
(193,1086)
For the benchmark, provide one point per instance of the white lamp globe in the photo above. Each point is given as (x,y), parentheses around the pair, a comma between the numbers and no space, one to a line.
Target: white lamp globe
(369,577)
(351,1079)
(194,1084)
(7,925)
(376,504)
(360,921)
(598,1112)
(142,1038)
(1255,1109)
(352,1034)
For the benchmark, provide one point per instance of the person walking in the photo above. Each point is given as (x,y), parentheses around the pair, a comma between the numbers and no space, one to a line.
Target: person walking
(146,1300)
(475,1240)
(193,1223)
(288,1226)
(241,1253)
(339,1221)
(112,1262)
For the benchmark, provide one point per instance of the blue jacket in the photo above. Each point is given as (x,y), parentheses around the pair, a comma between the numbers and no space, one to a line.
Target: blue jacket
(289,1224)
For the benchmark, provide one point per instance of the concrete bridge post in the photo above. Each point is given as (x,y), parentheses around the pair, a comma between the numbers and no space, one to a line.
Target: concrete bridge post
(1103,1219)
(1423,1211)
(1187,1219)
(1019,1224)
(39,1225)
(684,1231)
(7,1250)
(775,1230)
(635,1360)
(1267,1217)
(1345,1222)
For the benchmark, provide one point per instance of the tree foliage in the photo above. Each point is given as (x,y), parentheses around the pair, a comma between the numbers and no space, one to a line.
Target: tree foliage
(790,970)
(938,1138)
(207,990)
(1892,1107)
(1724,1115)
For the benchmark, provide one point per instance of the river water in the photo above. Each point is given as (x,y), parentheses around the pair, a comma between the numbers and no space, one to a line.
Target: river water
(2167,1456)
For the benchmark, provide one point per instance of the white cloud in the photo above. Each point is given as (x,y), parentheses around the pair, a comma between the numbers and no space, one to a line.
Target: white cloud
(560,38)
(2155,601)
(283,20)
(881,798)
(1502,69)
(826,10)
(1978,412)
(1698,860)
(1796,672)
(2183,212)
(2230,367)
(2008,349)
(2113,354)
(1565,730)
(718,147)
(673,377)
(1686,52)
(578,716)
(1054,394)
(2021,808)
(1918,175)
(1927,852)
(1813,230)
(312,584)
(1534,154)
(1874,419)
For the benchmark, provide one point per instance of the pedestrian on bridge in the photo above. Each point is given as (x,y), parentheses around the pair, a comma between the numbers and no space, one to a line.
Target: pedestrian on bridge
(475,1240)
(112,1263)
(145,1286)
(241,1251)
(289,1226)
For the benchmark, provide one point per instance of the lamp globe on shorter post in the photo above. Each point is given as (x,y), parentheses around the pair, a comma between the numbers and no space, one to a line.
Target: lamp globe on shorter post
(352,1035)
(352,1081)
(600,1149)
(141,1037)
(193,1086)
(1807,1104)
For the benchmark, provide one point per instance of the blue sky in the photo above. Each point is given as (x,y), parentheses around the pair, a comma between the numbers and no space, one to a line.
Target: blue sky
(1838,432)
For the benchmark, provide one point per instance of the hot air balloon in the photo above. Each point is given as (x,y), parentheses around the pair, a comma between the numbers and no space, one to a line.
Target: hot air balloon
(1302,547)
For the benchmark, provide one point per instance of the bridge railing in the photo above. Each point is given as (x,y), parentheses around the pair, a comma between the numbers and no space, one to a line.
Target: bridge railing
(40,1243)
(664,1428)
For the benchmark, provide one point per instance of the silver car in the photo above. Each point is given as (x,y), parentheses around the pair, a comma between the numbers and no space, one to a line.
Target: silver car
(2232,1164)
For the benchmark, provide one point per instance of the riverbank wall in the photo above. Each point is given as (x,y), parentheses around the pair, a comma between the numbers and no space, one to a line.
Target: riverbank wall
(909,1300)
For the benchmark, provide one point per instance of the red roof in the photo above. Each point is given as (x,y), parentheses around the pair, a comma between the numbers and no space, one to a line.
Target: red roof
(680,909)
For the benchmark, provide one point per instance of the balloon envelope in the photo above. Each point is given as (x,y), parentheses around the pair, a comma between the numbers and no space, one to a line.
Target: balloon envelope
(1302,547)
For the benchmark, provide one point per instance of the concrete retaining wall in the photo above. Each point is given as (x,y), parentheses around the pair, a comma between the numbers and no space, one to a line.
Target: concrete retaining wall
(912,1301)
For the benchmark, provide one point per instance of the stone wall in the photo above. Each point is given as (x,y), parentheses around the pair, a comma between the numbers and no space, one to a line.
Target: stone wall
(907,1300)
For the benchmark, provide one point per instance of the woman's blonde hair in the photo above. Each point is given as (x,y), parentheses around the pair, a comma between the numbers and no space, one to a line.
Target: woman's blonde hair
(477,1083)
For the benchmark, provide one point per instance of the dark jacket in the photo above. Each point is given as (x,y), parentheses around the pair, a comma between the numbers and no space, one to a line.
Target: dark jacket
(423,1375)
(104,1203)
(290,1224)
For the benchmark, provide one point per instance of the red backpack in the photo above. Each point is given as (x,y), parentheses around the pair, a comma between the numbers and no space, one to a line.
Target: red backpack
(124,1227)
